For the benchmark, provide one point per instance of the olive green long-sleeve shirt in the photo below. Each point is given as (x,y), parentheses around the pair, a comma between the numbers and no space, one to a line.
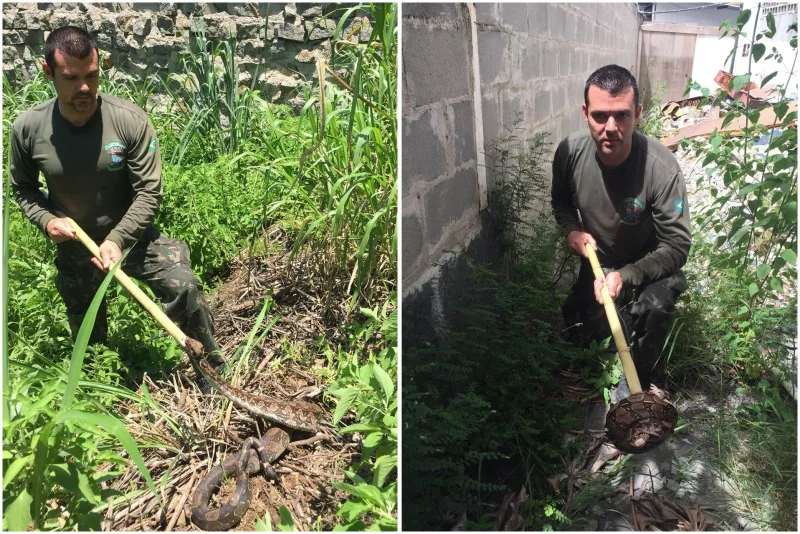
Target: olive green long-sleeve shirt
(637,212)
(106,174)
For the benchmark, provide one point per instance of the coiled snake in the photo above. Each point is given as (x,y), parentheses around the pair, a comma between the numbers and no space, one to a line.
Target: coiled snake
(641,421)
(293,414)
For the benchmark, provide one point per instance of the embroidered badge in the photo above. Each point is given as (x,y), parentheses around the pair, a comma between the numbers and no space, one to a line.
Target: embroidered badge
(633,210)
(116,149)
(679,206)
(152,146)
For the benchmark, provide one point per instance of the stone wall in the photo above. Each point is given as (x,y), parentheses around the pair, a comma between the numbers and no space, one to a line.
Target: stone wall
(139,39)
(533,61)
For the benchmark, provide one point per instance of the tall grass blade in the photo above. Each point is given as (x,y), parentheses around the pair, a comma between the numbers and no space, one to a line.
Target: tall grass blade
(82,339)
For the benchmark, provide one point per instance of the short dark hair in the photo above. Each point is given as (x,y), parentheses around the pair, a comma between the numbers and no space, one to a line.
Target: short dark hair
(613,79)
(71,40)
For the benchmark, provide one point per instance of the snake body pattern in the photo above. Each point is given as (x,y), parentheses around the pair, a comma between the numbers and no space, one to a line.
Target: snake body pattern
(293,414)
(254,456)
(641,421)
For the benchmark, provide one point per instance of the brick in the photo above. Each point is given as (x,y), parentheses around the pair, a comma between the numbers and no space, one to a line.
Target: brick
(424,156)
(570,26)
(549,60)
(513,111)
(436,63)
(537,20)
(494,57)
(463,132)
(531,67)
(515,15)
(449,201)
(555,21)
(541,105)
(413,242)
(445,11)
(491,119)
(485,13)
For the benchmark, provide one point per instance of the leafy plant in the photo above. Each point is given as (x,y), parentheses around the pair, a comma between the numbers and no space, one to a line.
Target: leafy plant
(370,389)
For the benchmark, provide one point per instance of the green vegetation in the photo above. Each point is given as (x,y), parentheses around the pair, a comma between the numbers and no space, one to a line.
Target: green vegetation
(745,266)
(234,167)
(480,400)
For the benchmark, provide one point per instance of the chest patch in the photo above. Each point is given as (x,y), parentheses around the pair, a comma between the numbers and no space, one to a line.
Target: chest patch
(633,210)
(116,149)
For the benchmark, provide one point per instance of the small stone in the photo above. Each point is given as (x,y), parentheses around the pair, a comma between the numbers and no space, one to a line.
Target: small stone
(290,10)
(141,27)
(168,9)
(306,56)
(290,32)
(320,29)
(312,12)
(165,24)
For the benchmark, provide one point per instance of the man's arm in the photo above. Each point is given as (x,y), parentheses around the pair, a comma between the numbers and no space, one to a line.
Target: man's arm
(673,232)
(564,211)
(144,172)
(25,182)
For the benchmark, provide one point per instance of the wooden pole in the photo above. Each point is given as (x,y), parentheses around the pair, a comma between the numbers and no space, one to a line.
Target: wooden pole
(616,328)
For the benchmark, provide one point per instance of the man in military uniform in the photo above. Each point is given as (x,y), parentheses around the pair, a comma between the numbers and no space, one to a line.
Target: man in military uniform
(624,194)
(102,165)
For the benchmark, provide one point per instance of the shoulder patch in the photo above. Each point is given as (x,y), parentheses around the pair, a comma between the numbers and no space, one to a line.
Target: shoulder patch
(153,145)
(679,205)
(116,149)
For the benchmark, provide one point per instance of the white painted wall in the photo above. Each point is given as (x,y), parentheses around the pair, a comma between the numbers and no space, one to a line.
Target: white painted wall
(708,16)
(711,53)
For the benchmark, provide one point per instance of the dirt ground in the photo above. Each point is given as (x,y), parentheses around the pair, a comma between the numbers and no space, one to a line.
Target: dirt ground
(203,429)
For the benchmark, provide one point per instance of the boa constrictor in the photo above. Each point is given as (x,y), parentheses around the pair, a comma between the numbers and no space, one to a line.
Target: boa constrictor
(641,421)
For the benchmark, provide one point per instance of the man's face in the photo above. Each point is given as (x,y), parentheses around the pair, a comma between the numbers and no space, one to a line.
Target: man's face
(611,120)
(76,81)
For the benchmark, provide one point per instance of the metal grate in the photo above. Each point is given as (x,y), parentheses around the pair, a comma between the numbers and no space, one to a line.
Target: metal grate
(778,8)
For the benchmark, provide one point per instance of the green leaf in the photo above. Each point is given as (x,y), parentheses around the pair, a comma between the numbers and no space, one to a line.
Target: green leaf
(739,81)
(729,118)
(372,439)
(749,188)
(790,256)
(742,19)
(767,78)
(716,141)
(360,427)
(385,380)
(383,467)
(351,510)
(752,289)
(776,284)
(116,427)
(10,472)
(789,211)
(763,270)
(74,481)
(349,395)
(770,24)
(287,521)
(82,339)
(781,108)
(18,512)
(758,51)
(365,492)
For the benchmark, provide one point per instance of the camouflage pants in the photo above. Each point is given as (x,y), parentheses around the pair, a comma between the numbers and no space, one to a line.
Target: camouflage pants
(649,308)
(161,262)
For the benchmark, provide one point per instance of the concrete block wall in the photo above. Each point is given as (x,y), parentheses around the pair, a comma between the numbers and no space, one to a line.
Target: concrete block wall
(533,63)
(439,183)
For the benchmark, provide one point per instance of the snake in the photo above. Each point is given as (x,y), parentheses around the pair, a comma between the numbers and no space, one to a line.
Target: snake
(298,415)
(255,455)
(293,414)
(641,421)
